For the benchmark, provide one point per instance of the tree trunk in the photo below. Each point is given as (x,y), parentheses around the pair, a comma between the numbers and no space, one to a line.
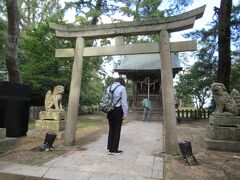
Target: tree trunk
(13,30)
(224,63)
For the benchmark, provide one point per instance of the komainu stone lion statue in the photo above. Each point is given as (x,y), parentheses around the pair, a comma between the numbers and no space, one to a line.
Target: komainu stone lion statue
(53,100)
(225,102)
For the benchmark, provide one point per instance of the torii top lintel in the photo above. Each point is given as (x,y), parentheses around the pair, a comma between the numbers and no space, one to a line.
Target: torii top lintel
(151,26)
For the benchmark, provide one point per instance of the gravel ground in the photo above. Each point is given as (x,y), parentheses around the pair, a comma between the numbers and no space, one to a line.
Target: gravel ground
(213,164)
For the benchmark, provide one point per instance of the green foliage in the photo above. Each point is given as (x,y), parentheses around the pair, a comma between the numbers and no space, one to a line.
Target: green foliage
(206,67)
(91,90)
(93,9)
(3,9)
(235,71)
(207,39)
(194,85)
(40,69)
(3,43)
(235,26)
(35,11)
(3,48)
(91,109)
(176,6)
(148,9)
(108,81)
(235,74)
(43,71)
(143,9)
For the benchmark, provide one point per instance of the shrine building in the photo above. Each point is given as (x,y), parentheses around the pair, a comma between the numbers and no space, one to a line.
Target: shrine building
(144,70)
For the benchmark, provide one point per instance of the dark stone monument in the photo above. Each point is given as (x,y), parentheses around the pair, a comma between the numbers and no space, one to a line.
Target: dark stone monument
(14,108)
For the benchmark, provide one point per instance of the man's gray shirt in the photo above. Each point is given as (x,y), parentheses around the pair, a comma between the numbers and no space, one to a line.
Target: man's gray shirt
(120,92)
(146,103)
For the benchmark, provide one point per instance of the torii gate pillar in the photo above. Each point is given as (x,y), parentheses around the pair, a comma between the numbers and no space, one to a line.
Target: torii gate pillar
(169,115)
(74,95)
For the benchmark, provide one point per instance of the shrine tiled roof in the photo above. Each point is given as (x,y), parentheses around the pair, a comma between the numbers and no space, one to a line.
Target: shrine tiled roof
(145,62)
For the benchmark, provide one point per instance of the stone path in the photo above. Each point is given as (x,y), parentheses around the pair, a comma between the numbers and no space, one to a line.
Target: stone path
(140,142)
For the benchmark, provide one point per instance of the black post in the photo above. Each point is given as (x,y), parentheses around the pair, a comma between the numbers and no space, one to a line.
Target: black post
(178,113)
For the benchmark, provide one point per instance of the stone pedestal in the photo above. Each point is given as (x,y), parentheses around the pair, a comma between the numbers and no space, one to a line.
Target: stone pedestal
(223,133)
(50,125)
(224,120)
(50,121)
(52,115)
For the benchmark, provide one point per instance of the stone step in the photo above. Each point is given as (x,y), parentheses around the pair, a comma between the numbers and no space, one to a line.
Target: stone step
(140,109)
(145,95)
(154,116)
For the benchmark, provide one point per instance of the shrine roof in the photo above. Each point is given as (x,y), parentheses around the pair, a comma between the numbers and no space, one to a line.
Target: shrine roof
(145,62)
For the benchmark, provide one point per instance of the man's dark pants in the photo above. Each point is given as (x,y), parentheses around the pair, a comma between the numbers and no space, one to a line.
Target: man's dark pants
(115,124)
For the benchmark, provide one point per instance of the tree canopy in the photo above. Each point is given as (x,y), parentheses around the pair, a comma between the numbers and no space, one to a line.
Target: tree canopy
(207,59)
(3,43)
(42,71)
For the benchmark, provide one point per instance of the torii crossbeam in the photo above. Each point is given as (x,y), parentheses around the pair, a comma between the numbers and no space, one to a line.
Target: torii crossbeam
(118,30)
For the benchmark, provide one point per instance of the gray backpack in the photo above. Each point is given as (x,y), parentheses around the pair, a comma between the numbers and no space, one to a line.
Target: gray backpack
(106,104)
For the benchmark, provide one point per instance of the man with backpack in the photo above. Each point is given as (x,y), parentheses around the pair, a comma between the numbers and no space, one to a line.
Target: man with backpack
(117,115)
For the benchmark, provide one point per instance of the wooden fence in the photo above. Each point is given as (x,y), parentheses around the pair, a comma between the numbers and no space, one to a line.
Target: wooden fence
(193,114)
(180,114)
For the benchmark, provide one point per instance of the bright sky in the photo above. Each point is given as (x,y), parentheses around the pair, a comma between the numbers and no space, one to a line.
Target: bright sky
(202,22)
(199,24)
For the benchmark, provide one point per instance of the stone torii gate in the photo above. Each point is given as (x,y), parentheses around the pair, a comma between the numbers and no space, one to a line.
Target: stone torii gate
(118,30)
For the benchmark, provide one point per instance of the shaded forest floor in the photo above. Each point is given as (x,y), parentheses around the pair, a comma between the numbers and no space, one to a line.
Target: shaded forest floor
(89,128)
